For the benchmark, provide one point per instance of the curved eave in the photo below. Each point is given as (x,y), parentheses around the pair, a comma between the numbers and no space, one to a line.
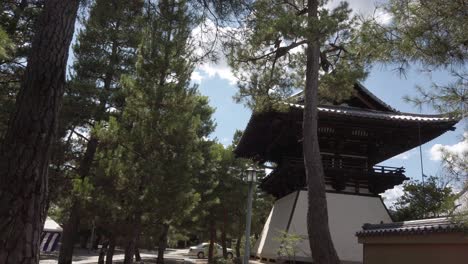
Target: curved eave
(397,116)
(260,130)
(257,122)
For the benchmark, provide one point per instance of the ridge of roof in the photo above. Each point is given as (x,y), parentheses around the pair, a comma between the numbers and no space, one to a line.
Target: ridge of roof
(415,227)
(378,114)
(373,96)
(299,96)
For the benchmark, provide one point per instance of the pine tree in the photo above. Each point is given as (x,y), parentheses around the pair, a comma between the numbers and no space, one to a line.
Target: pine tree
(155,140)
(431,35)
(105,50)
(26,147)
(424,200)
(283,46)
(18,19)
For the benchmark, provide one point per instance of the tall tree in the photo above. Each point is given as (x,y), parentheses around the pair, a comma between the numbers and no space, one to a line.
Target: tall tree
(282,46)
(431,35)
(18,19)
(424,200)
(105,49)
(156,138)
(24,153)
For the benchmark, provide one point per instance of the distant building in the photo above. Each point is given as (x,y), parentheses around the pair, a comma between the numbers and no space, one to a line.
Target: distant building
(354,136)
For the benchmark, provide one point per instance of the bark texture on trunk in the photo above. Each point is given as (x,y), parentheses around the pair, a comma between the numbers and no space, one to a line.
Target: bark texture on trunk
(110,251)
(102,252)
(71,227)
(238,245)
(68,238)
(132,237)
(137,254)
(162,245)
(212,241)
(25,150)
(223,233)
(321,244)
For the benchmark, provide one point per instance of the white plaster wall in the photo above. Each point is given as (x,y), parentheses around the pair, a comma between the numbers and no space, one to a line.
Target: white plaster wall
(347,213)
(267,246)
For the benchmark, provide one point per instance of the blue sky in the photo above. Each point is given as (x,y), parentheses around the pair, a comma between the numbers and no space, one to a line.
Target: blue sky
(383,82)
(218,83)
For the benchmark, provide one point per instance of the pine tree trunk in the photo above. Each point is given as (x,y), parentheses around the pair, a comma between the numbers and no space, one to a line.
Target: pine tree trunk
(110,251)
(68,238)
(102,252)
(238,245)
(321,244)
(240,233)
(137,254)
(137,251)
(212,241)
(71,227)
(223,233)
(25,150)
(162,244)
(132,237)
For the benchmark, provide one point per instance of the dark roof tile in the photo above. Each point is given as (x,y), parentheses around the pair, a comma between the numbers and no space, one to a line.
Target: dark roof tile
(416,227)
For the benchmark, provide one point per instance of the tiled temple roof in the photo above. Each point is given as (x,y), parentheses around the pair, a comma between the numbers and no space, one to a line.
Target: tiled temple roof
(356,112)
(416,227)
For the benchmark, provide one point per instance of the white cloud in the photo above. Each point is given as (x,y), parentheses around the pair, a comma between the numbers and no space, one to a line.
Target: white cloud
(460,149)
(365,8)
(206,36)
(391,196)
(196,77)
(221,70)
(382,17)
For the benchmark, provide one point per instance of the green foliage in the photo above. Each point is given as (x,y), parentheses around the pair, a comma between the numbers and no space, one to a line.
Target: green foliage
(449,98)
(455,164)
(424,200)
(82,188)
(5,44)
(432,34)
(267,53)
(288,245)
(17,25)
(105,48)
(154,148)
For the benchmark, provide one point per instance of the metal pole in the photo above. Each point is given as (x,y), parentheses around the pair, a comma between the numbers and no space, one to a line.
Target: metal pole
(247,224)
(420,154)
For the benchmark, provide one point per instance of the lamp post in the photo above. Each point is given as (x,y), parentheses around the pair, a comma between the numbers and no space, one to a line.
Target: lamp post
(251,179)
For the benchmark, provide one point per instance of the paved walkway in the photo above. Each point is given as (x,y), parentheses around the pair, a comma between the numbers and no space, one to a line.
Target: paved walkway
(91,257)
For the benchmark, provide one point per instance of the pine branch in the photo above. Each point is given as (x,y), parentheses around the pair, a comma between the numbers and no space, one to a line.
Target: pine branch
(279,52)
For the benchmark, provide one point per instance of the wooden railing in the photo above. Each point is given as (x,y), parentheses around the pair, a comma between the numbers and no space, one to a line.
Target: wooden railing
(388,170)
(350,165)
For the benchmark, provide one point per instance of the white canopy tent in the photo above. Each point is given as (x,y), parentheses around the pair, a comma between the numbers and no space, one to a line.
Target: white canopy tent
(50,236)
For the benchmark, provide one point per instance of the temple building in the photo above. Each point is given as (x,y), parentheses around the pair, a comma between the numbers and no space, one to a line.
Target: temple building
(354,137)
